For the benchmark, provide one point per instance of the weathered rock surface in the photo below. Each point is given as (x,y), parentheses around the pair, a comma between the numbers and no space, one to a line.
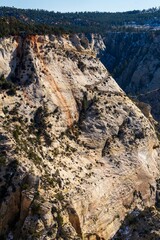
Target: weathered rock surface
(76,154)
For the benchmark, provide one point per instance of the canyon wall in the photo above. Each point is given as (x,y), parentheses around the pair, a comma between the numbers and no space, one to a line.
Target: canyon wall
(76,154)
(133,59)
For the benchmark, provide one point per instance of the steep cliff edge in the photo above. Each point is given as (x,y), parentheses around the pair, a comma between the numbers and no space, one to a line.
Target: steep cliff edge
(76,154)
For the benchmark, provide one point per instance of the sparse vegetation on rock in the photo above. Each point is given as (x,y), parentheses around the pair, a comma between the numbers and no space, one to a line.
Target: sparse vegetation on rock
(76,154)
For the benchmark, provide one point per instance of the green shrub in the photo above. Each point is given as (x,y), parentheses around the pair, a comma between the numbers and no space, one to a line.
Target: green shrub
(2,159)
(33,156)
(81,66)
(16,133)
(25,186)
(5,110)
(7,85)
(35,207)
(59,196)
(40,124)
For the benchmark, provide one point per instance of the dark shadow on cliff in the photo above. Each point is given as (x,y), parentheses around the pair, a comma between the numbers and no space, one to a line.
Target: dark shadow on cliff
(140,225)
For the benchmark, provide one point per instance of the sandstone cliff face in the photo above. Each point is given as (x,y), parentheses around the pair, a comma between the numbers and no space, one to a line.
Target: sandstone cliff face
(133,59)
(76,154)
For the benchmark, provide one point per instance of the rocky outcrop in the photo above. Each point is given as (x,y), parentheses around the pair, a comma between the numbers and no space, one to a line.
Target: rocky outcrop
(78,155)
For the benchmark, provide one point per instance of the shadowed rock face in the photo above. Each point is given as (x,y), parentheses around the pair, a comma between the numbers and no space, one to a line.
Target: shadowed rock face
(140,225)
(133,59)
(77,155)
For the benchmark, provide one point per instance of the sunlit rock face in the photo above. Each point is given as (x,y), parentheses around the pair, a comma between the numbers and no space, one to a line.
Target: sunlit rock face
(76,154)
